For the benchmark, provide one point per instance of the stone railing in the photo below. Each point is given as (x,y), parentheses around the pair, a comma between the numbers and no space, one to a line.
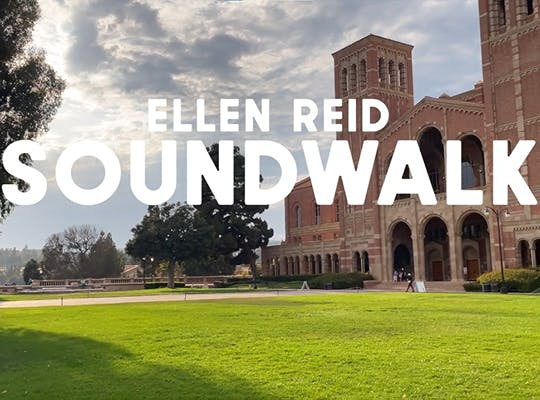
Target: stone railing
(127,281)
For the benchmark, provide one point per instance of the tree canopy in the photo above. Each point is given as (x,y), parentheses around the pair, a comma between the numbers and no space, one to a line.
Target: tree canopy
(81,252)
(239,227)
(208,239)
(30,90)
(31,271)
(171,233)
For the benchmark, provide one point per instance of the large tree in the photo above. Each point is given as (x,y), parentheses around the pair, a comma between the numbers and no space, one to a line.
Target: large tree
(174,234)
(31,271)
(104,259)
(239,227)
(30,90)
(81,252)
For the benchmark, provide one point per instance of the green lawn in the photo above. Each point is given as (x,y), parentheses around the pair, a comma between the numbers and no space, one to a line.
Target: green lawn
(141,292)
(148,292)
(343,346)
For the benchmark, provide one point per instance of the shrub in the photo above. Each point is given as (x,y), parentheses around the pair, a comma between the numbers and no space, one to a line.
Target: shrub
(221,284)
(472,287)
(286,278)
(158,285)
(517,279)
(338,280)
(234,279)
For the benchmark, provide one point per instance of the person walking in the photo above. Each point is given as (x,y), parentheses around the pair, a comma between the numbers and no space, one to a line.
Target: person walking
(410,281)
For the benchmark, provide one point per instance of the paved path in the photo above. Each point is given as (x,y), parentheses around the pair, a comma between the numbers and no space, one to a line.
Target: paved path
(154,298)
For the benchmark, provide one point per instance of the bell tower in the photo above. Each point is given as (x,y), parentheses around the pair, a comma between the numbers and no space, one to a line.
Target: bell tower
(510,35)
(373,67)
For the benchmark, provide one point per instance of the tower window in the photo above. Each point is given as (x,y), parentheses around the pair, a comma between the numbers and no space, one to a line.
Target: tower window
(298,215)
(382,72)
(401,68)
(502,12)
(317,214)
(344,83)
(363,74)
(337,210)
(530,7)
(392,74)
(353,78)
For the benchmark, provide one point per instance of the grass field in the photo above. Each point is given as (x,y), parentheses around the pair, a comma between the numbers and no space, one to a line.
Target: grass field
(141,292)
(343,346)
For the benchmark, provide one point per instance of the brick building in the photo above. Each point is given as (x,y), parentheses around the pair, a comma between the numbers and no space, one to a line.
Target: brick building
(442,242)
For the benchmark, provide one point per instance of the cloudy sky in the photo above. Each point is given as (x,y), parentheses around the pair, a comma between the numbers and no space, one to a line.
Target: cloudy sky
(114,55)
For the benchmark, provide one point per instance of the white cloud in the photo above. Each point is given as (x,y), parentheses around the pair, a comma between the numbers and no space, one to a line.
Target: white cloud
(114,55)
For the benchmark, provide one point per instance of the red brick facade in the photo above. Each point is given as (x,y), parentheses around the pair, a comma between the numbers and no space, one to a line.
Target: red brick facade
(442,242)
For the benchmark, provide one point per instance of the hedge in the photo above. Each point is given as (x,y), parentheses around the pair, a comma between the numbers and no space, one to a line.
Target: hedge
(472,287)
(339,281)
(158,285)
(286,278)
(517,279)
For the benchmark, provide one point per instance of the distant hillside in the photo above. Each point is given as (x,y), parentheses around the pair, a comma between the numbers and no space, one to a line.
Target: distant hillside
(17,258)
(12,262)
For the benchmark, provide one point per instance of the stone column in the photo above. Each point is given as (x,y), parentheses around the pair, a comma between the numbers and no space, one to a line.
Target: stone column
(454,248)
(388,269)
(459,256)
(327,264)
(532,248)
(418,258)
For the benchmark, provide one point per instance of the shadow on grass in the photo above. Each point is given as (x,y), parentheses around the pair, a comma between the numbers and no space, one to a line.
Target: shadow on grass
(35,364)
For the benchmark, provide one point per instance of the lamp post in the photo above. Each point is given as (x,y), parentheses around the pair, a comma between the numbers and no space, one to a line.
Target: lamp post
(144,259)
(498,213)
(144,270)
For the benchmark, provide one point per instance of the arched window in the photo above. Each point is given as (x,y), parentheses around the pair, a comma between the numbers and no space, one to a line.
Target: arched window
(501,4)
(472,163)
(468,179)
(353,78)
(530,7)
(401,68)
(363,74)
(392,74)
(432,149)
(335,263)
(317,214)
(344,83)
(357,261)
(524,253)
(298,216)
(365,258)
(382,72)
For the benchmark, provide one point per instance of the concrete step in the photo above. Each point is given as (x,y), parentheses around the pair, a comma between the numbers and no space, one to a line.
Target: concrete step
(430,286)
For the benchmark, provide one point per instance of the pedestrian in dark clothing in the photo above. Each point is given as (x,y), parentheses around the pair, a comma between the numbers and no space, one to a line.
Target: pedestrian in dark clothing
(410,281)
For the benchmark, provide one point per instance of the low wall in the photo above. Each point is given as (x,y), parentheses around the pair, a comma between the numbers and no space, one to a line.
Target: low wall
(129,286)
(8,289)
(111,284)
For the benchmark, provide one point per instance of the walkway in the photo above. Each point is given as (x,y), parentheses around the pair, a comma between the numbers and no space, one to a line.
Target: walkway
(154,298)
